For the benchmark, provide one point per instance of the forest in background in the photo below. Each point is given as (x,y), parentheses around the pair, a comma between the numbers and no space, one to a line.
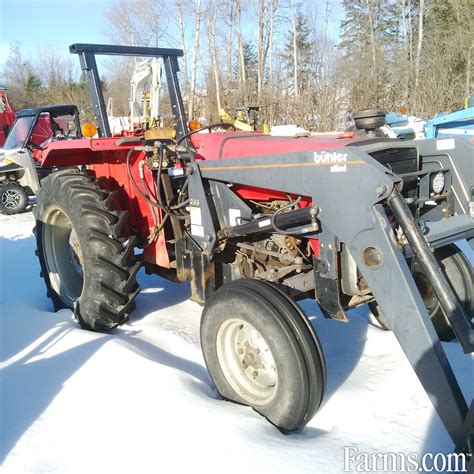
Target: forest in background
(308,63)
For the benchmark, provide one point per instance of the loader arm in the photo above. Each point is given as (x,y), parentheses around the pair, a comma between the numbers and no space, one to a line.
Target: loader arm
(348,189)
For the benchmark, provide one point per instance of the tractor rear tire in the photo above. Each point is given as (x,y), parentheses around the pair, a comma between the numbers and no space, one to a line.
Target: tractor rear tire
(261,351)
(459,273)
(85,250)
(13,198)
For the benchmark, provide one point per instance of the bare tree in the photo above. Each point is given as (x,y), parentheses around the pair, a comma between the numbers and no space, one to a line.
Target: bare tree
(230,38)
(242,75)
(137,22)
(464,31)
(405,64)
(211,34)
(266,18)
(197,28)
(368,5)
(410,30)
(273,10)
(421,14)
(182,34)
(295,48)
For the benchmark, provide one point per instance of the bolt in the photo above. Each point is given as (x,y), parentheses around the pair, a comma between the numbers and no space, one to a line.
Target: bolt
(381,190)
(322,266)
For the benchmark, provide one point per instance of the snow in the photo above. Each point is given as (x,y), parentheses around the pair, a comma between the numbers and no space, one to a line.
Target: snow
(140,399)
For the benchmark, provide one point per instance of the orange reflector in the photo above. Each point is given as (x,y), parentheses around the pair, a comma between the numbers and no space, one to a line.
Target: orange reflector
(346,135)
(89,130)
(194,125)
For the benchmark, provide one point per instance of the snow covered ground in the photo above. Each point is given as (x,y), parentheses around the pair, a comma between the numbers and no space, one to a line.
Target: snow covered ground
(140,399)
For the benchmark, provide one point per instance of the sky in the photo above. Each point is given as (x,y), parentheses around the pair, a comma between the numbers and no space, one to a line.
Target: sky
(55,24)
(50,24)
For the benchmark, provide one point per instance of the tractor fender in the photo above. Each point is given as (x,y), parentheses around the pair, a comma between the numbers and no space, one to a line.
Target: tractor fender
(84,151)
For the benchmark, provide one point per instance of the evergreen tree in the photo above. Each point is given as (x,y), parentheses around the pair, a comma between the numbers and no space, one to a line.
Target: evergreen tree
(369,35)
(250,62)
(32,83)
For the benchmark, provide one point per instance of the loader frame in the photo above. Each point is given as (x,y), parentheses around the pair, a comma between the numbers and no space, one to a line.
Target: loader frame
(364,227)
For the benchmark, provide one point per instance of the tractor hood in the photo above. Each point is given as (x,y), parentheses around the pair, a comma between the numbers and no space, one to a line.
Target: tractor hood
(221,145)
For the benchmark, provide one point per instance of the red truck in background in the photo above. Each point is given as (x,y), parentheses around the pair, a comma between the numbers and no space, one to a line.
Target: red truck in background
(7,115)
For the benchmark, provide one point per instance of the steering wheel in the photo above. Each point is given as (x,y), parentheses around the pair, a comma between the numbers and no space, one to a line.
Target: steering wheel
(208,127)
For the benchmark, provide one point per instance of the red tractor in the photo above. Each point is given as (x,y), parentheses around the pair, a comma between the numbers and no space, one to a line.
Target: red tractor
(256,223)
(7,115)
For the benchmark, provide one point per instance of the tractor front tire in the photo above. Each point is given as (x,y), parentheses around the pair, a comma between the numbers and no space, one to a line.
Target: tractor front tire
(13,198)
(261,351)
(85,250)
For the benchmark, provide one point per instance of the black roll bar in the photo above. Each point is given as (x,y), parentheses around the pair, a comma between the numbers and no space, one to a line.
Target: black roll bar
(87,54)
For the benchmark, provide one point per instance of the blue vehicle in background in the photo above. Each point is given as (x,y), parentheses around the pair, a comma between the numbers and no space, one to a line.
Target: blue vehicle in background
(453,125)
(450,125)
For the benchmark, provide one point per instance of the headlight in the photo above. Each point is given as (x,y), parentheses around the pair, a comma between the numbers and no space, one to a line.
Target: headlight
(437,183)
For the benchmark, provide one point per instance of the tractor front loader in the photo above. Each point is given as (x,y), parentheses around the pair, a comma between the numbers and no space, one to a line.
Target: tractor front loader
(256,223)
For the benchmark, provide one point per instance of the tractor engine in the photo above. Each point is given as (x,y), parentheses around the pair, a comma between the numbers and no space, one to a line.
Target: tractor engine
(272,259)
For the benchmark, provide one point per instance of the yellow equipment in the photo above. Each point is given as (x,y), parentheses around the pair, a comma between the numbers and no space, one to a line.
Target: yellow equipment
(247,119)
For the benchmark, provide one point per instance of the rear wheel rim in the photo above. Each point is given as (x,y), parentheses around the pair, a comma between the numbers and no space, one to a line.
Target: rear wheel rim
(246,361)
(63,256)
(11,198)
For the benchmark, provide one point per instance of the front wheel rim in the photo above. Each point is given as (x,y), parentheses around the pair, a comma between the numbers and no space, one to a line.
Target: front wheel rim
(63,256)
(247,361)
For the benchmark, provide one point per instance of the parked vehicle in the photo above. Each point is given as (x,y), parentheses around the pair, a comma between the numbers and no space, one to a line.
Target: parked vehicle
(459,124)
(20,158)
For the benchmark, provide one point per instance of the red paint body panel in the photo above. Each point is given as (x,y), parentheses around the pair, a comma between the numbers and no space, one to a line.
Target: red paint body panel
(7,115)
(83,151)
(240,144)
(113,176)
